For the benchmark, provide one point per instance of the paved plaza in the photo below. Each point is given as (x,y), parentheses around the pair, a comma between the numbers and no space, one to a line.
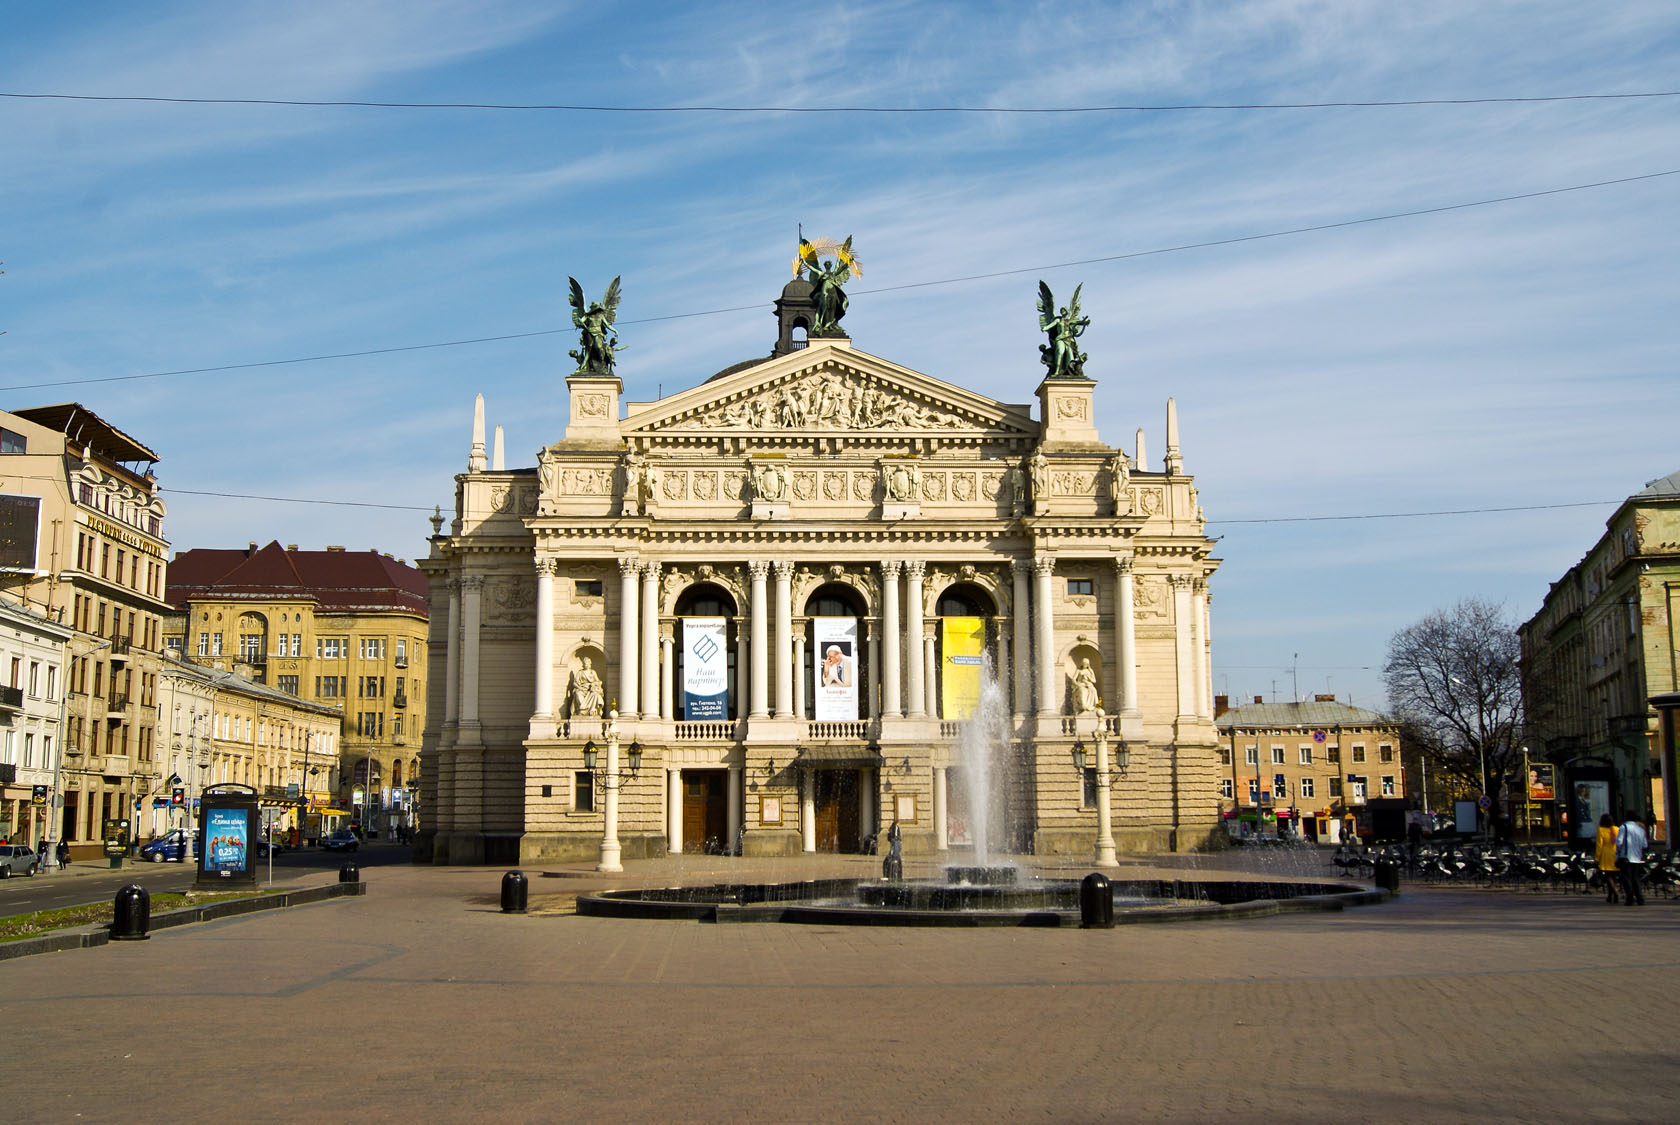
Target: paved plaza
(421,1001)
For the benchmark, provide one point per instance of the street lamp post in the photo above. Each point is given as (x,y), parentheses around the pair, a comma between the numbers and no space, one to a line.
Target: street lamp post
(1105,856)
(610,785)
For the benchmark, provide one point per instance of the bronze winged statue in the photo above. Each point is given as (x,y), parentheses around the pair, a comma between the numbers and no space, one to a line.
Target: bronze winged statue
(1061,357)
(597,339)
(826,280)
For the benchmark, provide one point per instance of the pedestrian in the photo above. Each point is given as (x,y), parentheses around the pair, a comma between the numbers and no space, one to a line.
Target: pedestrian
(1630,850)
(1604,854)
(63,854)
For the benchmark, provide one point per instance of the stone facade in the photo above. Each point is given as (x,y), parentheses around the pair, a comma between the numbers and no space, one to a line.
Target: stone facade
(776,500)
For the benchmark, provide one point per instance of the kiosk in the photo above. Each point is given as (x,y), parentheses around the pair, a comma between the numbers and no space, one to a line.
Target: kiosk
(229,823)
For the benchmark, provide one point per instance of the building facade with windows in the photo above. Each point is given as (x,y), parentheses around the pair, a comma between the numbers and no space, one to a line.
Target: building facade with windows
(1306,766)
(342,629)
(83,546)
(776,593)
(1602,643)
(31,701)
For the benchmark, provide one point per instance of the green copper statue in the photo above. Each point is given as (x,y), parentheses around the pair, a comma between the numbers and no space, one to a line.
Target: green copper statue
(1061,357)
(826,280)
(597,339)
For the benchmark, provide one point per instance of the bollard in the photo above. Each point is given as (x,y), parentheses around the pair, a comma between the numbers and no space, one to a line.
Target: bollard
(1387,874)
(514,890)
(892,869)
(349,873)
(1096,903)
(131,914)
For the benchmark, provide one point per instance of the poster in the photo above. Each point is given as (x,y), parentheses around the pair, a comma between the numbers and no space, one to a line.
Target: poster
(705,668)
(1592,800)
(227,838)
(834,667)
(1541,779)
(962,640)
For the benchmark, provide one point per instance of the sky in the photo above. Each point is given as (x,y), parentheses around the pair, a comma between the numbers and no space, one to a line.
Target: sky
(1512,355)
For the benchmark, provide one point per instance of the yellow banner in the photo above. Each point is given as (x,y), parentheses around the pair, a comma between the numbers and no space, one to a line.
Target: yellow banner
(963,643)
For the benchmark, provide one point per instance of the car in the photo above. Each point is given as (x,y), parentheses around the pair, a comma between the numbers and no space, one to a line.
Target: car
(18,859)
(169,847)
(263,848)
(342,840)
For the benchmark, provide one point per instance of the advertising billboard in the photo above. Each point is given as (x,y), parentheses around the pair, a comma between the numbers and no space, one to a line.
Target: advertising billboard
(834,667)
(962,643)
(705,668)
(1542,785)
(227,841)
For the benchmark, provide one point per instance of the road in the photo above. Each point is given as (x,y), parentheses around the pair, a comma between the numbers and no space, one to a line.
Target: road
(94,881)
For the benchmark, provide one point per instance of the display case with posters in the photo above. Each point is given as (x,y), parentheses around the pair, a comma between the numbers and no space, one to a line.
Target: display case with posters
(230,822)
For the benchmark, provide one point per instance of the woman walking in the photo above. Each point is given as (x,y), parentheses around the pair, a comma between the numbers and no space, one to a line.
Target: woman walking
(1604,854)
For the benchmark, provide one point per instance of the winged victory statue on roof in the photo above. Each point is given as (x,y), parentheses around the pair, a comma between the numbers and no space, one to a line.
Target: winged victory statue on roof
(597,339)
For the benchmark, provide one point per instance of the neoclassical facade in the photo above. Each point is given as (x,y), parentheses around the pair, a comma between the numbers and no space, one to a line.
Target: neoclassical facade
(776,591)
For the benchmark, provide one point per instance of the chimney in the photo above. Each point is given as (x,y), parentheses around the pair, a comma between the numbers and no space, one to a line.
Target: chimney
(252,549)
(1221,704)
(291,547)
(1322,698)
(1259,699)
(335,548)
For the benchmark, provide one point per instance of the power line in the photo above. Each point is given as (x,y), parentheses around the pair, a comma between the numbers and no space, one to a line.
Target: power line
(840,109)
(1233,241)
(1420,515)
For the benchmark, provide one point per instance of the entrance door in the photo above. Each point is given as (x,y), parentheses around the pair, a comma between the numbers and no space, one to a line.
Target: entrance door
(705,811)
(836,799)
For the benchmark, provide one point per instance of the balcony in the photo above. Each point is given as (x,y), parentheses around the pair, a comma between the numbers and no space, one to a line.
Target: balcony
(120,647)
(11,699)
(116,707)
(399,700)
(402,662)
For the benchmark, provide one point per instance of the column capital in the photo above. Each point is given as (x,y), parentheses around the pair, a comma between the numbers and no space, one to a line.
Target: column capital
(759,569)
(915,569)
(1125,564)
(891,569)
(628,566)
(650,571)
(1180,581)
(1044,566)
(1201,586)
(546,567)
(1020,566)
(472,582)
(784,569)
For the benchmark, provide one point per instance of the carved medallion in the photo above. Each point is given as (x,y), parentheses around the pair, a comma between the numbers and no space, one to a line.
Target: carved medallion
(962,486)
(705,486)
(863,486)
(1071,408)
(834,486)
(592,406)
(933,486)
(990,484)
(804,485)
(734,484)
(1149,500)
(675,485)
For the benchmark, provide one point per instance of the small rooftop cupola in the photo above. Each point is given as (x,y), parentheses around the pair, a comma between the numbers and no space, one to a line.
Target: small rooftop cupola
(796,312)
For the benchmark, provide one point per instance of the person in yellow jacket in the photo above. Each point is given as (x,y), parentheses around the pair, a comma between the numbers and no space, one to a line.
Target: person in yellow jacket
(1604,853)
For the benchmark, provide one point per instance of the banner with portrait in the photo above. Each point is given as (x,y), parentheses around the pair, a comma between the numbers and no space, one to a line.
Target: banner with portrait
(834,667)
(705,668)
(962,641)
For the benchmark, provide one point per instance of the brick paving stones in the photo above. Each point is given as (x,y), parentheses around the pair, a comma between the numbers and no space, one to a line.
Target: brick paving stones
(421,1001)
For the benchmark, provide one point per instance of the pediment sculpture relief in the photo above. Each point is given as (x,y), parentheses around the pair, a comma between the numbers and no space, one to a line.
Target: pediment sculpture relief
(827,401)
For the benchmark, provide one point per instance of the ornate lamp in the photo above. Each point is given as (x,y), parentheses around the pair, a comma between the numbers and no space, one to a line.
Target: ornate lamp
(589,755)
(1079,755)
(635,757)
(1122,757)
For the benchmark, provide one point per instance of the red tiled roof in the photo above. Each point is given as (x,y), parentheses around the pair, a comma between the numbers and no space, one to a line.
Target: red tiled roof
(337,581)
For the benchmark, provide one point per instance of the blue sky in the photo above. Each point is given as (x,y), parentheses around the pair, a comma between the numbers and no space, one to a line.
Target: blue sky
(1503,356)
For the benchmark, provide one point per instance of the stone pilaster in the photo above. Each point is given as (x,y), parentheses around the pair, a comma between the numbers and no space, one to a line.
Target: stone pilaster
(650,640)
(913,571)
(1022,702)
(760,570)
(784,638)
(892,640)
(629,604)
(1044,621)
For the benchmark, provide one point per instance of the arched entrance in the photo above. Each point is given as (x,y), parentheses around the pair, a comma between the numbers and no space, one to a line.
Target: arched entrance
(965,643)
(840,679)
(706,678)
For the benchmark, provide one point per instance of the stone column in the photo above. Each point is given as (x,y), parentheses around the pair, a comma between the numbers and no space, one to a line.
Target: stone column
(760,570)
(1000,668)
(629,628)
(807,810)
(743,673)
(784,638)
(735,810)
(667,672)
(913,571)
(892,640)
(1184,657)
(799,673)
(1125,637)
(650,640)
(871,707)
(673,811)
(1049,684)
(734,803)
(1202,614)
(472,592)
(544,711)
(1023,677)
(941,822)
(451,660)
(930,670)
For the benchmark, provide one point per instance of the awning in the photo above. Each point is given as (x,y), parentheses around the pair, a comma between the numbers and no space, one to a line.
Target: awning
(838,752)
(322,810)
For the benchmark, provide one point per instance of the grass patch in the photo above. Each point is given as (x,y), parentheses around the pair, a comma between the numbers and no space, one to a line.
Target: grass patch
(20,926)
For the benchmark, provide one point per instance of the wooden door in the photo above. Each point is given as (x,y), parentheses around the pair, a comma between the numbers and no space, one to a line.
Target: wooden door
(836,801)
(705,811)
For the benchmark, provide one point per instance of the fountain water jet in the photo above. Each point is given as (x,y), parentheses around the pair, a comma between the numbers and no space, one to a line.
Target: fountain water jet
(983,740)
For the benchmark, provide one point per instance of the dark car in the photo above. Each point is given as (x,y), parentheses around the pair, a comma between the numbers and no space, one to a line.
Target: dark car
(342,840)
(264,847)
(170,847)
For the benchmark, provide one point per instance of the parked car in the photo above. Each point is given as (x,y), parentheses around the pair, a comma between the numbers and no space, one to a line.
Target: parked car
(263,847)
(170,847)
(18,859)
(342,840)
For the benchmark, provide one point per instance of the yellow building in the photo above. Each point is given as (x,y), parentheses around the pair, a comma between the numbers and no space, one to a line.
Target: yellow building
(81,544)
(344,629)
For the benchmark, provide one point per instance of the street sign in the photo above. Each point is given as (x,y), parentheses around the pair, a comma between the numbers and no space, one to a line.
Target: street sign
(1484,802)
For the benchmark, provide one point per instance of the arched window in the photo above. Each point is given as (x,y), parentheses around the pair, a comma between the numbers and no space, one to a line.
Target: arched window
(837,661)
(694,692)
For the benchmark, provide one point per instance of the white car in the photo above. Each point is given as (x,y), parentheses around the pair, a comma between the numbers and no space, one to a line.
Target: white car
(18,859)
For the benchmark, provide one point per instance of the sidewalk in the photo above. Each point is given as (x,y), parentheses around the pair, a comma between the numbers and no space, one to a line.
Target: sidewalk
(421,1001)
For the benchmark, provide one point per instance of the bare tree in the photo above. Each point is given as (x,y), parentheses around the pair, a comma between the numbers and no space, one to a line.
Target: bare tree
(1454,679)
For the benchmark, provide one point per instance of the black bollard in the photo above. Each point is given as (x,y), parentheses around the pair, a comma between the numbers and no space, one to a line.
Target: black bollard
(131,914)
(892,869)
(1096,902)
(349,873)
(514,891)
(1387,874)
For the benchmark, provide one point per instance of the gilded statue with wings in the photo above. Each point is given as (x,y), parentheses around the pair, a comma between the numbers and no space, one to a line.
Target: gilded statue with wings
(1061,356)
(597,339)
(826,279)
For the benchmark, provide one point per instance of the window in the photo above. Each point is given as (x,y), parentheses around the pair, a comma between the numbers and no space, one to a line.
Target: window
(1306,788)
(1335,789)
(332,648)
(396,726)
(1385,754)
(29,751)
(1358,752)
(1280,787)
(402,652)
(1388,785)
(1356,788)
(370,724)
(371,687)
(1253,789)
(215,644)
(1224,755)
(1227,789)
(1081,586)
(1277,755)
(1088,791)
(1333,754)
(583,789)
(287,684)
(1306,754)
(12,443)
(297,644)
(329,687)
(1252,755)
(35,677)
(52,682)
(586,589)
(372,648)
(172,645)
(250,646)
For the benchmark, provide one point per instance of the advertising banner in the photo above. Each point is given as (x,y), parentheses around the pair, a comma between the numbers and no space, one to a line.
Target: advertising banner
(705,668)
(1542,782)
(1592,800)
(227,837)
(834,660)
(962,640)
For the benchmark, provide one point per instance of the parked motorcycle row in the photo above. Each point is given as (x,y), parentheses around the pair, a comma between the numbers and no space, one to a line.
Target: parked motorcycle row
(1516,866)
